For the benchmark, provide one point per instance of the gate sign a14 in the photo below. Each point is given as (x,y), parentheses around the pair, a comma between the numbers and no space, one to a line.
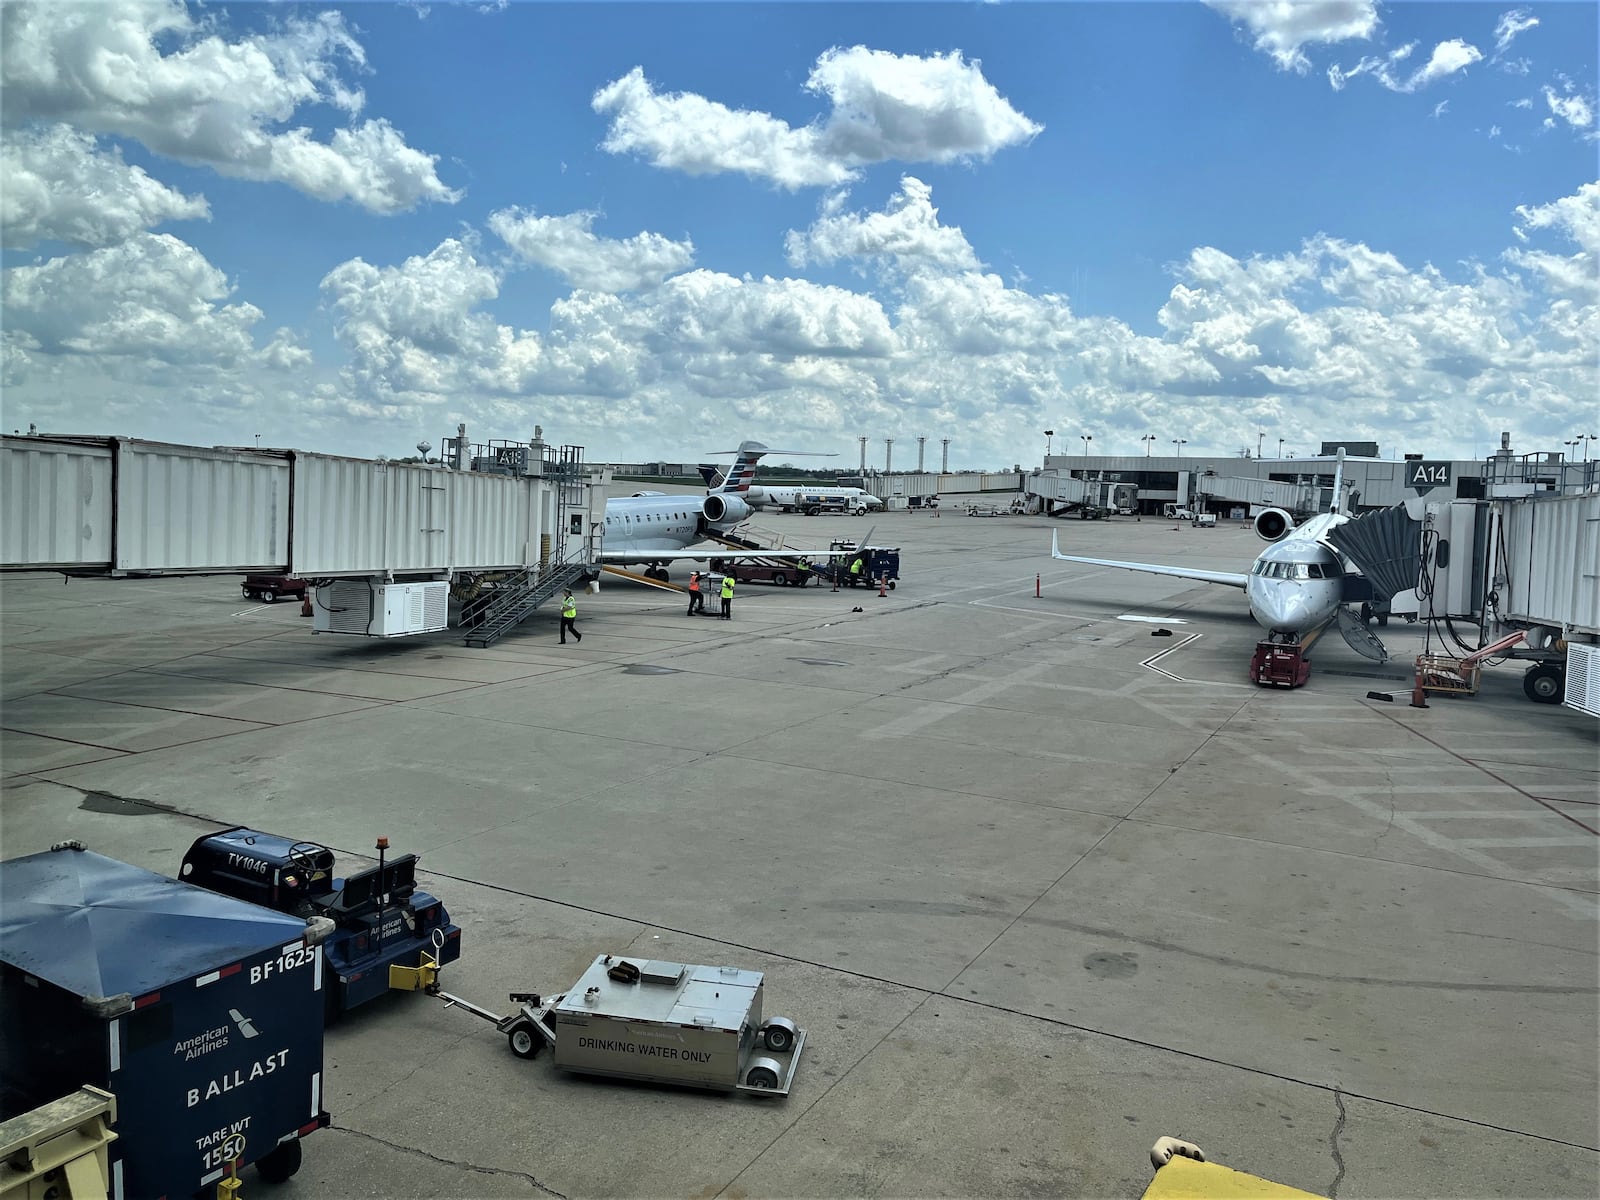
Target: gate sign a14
(1424,475)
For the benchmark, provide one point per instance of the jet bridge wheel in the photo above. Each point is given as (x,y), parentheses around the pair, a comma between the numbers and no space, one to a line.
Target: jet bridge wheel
(1545,683)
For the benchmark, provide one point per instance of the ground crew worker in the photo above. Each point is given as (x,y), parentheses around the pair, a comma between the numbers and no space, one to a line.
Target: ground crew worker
(727,597)
(855,572)
(697,598)
(804,567)
(569,617)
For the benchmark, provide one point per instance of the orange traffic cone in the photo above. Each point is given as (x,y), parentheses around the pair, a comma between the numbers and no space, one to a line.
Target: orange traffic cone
(305,603)
(883,585)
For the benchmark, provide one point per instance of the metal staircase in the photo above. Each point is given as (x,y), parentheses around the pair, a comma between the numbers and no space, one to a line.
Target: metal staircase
(517,597)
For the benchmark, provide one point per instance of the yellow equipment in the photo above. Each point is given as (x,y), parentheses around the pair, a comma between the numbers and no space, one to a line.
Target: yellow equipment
(1182,1173)
(59,1149)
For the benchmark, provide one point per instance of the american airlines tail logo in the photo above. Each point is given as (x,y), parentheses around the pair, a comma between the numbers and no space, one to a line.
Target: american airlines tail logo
(246,1028)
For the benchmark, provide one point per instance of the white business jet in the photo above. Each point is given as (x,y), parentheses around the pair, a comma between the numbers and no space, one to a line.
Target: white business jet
(654,528)
(1294,587)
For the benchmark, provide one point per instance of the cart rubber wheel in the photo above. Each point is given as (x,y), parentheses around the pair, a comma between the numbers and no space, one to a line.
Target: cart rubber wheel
(524,1042)
(781,579)
(762,1077)
(1545,684)
(891,585)
(777,1038)
(268,596)
(248,594)
(279,1164)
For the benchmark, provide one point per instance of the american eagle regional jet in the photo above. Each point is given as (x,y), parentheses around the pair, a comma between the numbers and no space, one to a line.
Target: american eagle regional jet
(1295,586)
(654,528)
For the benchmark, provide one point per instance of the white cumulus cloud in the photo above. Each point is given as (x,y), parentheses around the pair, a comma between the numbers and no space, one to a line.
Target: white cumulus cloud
(59,186)
(567,244)
(907,231)
(884,107)
(1282,28)
(149,70)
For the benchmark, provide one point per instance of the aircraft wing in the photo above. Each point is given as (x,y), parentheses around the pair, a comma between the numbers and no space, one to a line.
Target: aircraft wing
(1229,578)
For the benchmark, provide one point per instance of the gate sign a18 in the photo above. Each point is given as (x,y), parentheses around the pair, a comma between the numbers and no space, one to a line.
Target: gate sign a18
(1424,475)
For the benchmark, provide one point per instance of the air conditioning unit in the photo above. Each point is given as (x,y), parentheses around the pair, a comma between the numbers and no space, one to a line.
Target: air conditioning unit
(1583,678)
(381,609)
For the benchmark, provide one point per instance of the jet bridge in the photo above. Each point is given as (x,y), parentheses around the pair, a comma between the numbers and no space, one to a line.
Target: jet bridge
(1527,557)
(118,507)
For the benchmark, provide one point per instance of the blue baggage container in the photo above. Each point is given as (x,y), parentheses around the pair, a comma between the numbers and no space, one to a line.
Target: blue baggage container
(202,1014)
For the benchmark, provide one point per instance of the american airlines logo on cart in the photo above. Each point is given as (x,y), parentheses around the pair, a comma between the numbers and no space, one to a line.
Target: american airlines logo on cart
(215,1039)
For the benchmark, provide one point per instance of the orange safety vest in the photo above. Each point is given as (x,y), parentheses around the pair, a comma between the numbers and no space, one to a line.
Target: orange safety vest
(694,583)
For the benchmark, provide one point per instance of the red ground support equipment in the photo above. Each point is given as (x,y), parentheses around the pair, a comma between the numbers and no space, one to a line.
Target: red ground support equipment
(1279,664)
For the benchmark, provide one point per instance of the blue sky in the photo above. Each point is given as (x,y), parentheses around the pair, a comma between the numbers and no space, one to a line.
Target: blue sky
(655,228)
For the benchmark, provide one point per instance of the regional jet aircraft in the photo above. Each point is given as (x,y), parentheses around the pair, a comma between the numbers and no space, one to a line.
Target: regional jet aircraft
(788,497)
(1295,586)
(655,528)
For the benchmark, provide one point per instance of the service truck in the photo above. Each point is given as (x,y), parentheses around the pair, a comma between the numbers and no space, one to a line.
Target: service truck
(381,917)
(199,1013)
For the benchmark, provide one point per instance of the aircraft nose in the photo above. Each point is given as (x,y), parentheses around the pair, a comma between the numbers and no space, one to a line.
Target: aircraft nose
(1281,610)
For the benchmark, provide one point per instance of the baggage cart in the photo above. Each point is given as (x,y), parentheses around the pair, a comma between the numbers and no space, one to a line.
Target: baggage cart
(199,1013)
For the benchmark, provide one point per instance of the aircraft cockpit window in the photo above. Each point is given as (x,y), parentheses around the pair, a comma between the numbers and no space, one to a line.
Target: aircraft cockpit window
(1302,570)
(1258,568)
(1315,569)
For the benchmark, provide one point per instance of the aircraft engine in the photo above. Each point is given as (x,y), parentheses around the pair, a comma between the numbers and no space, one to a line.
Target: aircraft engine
(724,510)
(1272,524)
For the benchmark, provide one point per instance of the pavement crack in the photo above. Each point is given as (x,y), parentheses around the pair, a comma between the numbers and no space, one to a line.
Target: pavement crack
(1333,1145)
(449,1162)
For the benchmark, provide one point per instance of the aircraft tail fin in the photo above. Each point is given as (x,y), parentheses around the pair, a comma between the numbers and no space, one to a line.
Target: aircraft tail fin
(1338,485)
(712,475)
(743,472)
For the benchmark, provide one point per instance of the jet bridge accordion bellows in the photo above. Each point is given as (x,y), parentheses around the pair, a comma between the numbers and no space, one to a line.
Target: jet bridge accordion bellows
(1386,545)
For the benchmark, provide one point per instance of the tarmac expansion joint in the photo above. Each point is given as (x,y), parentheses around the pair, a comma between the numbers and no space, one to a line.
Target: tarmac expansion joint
(448,1162)
(1333,1145)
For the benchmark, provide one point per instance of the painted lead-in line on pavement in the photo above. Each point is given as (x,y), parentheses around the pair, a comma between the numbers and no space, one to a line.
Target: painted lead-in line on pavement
(1173,649)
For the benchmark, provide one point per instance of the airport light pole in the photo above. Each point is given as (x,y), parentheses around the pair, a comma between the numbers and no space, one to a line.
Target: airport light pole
(1050,433)
(1280,446)
(1087,438)
(1148,440)
(1583,439)
(1260,437)
(1180,443)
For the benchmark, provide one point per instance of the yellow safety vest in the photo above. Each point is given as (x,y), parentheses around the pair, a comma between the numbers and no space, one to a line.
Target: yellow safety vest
(727,587)
(569,608)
